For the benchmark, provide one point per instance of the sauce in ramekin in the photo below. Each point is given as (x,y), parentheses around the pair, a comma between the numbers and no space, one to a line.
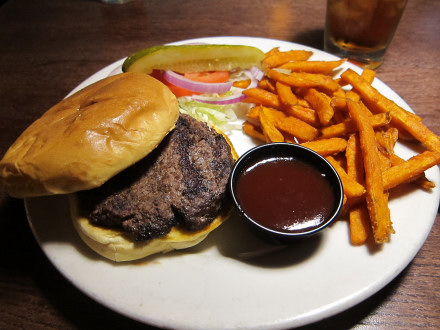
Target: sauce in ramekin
(285,194)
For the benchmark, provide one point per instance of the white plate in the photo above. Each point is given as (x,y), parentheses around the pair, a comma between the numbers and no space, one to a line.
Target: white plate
(233,280)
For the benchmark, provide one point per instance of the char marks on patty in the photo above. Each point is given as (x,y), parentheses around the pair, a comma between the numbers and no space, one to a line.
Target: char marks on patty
(182,182)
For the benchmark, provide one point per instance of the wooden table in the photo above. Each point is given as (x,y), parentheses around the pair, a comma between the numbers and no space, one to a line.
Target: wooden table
(48,47)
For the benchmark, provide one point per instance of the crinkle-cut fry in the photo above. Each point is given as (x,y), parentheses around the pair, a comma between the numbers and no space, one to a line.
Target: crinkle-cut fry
(302,79)
(285,94)
(376,197)
(322,67)
(253,131)
(400,117)
(348,126)
(327,147)
(359,224)
(267,120)
(292,125)
(263,97)
(305,114)
(411,169)
(278,58)
(352,188)
(422,181)
(321,103)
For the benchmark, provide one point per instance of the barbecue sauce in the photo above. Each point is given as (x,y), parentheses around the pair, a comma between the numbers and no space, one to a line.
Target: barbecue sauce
(285,194)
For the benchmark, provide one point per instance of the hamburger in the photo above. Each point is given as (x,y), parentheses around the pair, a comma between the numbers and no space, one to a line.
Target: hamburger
(141,178)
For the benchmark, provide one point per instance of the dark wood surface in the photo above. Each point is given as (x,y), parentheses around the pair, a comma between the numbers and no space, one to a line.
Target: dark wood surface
(48,47)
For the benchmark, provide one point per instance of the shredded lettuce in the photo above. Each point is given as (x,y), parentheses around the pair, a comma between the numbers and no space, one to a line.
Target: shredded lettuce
(222,116)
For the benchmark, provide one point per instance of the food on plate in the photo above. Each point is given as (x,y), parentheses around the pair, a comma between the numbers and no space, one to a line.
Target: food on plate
(355,128)
(207,79)
(400,118)
(193,58)
(282,174)
(141,177)
(376,196)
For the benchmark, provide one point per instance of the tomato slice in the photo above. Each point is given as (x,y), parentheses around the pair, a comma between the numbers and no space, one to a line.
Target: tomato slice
(207,77)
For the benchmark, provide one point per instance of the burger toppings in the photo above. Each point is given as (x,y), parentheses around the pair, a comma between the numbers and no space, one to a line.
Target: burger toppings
(181,183)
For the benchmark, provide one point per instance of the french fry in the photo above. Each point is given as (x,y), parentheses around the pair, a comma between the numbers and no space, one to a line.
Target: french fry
(353,155)
(276,59)
(242,83)
(400,117)
(263,97)
(285,94)
(268,124)
(305,114)
(267,85)
(352,188)
(302,79)
(321,103)
(322,67)
(272,51)
(309,106)
(348,127)
(410,169)
(253,131)
(387,140)
(377,201)
(368,75)
(292,125)
(338,99)
(358,216)
(421,180)
(327,147)
(359,224)
(353,96)
(253,115)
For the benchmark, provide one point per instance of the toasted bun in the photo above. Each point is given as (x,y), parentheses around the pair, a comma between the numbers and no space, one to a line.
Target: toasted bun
(116,245)
(90,136)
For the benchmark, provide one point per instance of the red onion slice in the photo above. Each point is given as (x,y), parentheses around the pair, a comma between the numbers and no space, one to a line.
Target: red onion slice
(257,73)
(196,86)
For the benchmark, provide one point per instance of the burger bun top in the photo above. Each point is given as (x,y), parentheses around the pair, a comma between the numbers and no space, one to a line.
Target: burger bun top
(89,137)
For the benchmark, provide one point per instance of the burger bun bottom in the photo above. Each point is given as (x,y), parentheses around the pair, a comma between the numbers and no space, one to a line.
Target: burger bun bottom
(116,245)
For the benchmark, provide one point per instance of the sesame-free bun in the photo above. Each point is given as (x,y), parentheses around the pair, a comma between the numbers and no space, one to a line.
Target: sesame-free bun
(89,137)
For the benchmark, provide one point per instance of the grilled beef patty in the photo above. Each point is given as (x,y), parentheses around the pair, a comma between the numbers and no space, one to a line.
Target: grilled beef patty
(182,182)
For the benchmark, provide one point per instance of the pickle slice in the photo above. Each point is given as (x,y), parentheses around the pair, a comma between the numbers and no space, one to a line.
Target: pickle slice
(193,58)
